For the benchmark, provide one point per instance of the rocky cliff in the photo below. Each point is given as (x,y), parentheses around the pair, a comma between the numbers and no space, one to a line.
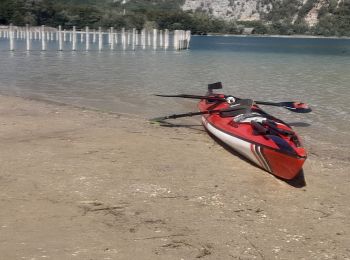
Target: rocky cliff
(267,10)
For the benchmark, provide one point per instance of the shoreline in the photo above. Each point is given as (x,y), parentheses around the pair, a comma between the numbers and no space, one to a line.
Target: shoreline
(296,36)
(84,184)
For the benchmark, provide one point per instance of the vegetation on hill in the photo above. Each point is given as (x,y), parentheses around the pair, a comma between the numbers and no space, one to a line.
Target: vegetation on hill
(285,17)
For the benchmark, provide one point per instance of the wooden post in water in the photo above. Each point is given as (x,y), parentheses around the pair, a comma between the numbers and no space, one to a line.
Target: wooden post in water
(176,42)
(179,39)
(129,37)
(161,38)
(188,38)
(87,45)
(74,44)
(60,43)
(27,38)
(149,38)
(64,35)
(116,37)
(43,42)
(94,36)
(123,39)
(81,36)
(155,34)
(100,40)
(136,37)
(11,36)
(111,37)
(143,38)
(133,38)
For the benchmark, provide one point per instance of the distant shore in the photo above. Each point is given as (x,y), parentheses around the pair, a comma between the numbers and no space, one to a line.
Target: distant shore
(297,36)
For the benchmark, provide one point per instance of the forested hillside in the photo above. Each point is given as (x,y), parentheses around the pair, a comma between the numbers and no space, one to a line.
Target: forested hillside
(319,17)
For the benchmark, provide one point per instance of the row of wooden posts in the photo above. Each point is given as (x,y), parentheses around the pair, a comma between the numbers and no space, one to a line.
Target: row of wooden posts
(177,39)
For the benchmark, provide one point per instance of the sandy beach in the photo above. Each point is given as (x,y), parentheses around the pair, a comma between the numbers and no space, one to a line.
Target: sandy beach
(84,184)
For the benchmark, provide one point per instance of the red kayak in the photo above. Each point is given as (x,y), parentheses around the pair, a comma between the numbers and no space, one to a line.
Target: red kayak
(265,140)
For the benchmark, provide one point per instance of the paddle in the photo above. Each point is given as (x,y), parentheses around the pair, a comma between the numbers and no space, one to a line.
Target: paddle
(227,112)
(293,106)
(297,107)
(194,97)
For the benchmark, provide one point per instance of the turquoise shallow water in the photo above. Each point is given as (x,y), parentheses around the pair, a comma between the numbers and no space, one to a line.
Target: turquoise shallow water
(316,71)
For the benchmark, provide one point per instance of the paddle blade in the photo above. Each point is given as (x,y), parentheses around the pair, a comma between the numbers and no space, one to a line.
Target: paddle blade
(216,85)
(297,107)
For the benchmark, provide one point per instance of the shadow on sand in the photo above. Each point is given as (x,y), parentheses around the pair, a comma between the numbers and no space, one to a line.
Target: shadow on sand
(197,127)
(299,124)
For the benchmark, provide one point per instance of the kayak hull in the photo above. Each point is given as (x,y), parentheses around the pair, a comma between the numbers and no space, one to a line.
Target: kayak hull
(264,153)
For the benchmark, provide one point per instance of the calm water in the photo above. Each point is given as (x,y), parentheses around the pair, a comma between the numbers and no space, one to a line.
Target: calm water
(316,71)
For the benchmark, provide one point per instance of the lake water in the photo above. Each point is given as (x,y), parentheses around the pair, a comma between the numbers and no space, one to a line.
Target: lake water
(315,71)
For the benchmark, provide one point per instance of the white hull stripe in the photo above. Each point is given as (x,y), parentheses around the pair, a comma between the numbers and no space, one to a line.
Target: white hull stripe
(252,148)
(263,159)
(249,150)
(241,146)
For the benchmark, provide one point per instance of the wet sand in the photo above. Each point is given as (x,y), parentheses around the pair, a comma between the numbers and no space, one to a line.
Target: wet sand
(82,184)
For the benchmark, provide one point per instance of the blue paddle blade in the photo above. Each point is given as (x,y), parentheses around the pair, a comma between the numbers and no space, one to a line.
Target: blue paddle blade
(282,144)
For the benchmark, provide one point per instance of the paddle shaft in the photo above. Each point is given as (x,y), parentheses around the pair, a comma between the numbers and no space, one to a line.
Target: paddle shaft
(226,112)
(174,116)
(296,107)
(276,104)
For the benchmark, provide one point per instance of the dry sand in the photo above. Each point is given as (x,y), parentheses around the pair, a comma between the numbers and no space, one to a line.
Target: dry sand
(82,184)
